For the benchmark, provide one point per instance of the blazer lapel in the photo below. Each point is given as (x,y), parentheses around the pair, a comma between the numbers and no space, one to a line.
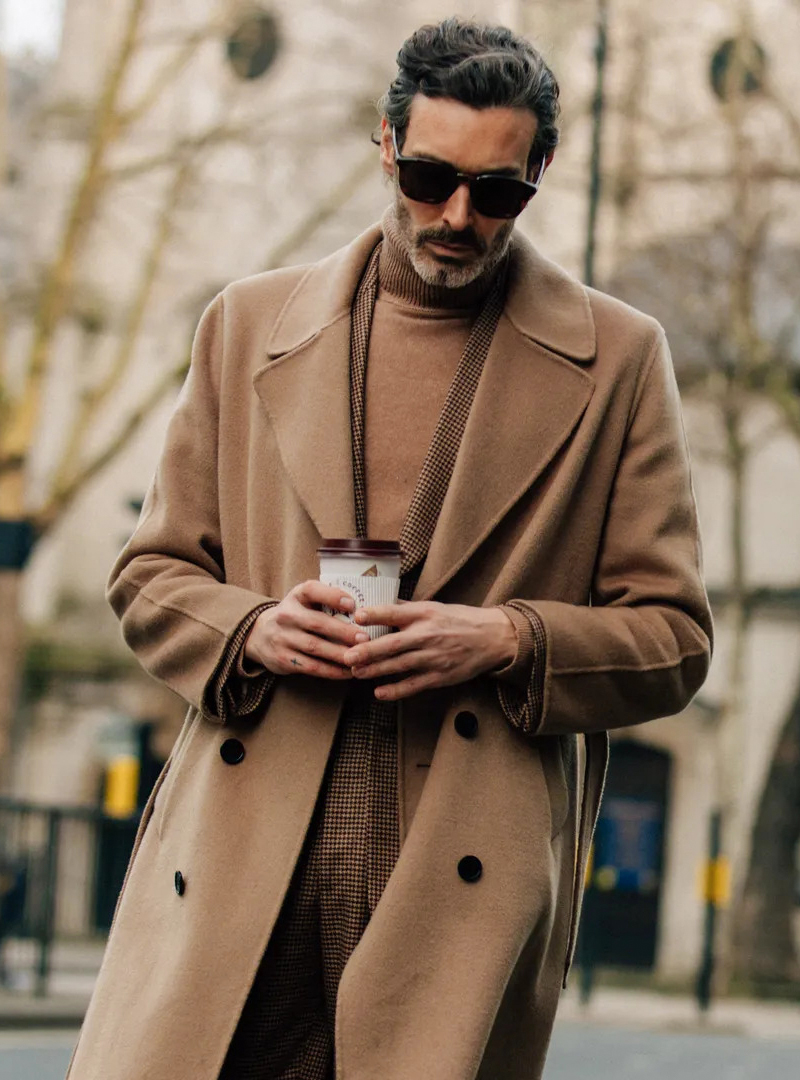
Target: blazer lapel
(528,403)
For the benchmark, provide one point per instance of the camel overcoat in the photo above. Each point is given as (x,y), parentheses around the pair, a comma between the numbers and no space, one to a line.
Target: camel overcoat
(572,493)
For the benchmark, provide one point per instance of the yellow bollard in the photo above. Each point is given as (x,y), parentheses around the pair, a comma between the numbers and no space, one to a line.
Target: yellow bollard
(122,786)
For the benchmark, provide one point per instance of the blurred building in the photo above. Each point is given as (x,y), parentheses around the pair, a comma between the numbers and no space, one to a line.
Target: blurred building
(255,119)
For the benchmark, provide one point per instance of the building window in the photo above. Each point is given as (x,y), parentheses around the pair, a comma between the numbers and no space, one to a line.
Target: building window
(738,66)
(253,44)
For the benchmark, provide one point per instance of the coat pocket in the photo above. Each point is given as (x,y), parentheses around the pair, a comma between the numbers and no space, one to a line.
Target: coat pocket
(556,753)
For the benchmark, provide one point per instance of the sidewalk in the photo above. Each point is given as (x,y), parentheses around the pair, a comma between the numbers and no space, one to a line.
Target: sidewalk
(74,968)
(647,1010)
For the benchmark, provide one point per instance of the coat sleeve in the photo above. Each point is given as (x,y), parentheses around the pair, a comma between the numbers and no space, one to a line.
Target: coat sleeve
(642,647)
(183,621)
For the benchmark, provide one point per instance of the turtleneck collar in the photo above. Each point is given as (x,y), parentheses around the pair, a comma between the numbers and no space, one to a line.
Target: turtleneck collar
(399,279)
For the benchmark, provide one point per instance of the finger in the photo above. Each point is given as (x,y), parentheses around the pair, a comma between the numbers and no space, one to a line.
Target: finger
(314,647)
(294,663)
(314,592)
(414,660)
(406,688)
(338,630)
(381,648)
(389,614)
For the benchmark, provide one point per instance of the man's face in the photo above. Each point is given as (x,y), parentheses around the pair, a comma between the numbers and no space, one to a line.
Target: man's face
(449,243)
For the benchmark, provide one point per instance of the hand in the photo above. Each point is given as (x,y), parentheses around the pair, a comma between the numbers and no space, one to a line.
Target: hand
(296,638)
(436,645)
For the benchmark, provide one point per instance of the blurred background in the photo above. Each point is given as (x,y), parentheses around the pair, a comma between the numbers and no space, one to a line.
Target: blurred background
(153,150)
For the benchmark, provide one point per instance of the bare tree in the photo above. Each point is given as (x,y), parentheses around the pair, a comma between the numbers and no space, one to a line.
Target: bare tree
(727,296)
(171,169)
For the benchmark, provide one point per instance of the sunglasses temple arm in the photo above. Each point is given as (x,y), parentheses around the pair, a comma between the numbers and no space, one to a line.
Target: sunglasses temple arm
(540,177)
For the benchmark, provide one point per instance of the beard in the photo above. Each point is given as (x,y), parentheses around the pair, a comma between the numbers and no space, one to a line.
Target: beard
(439,270)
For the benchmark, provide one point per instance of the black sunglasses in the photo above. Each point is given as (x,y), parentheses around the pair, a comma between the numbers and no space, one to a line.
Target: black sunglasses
(492,195)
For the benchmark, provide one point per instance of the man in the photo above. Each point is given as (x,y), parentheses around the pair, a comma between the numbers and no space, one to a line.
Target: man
(365,858)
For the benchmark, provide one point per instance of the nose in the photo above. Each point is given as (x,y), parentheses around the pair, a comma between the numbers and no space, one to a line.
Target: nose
(458,209)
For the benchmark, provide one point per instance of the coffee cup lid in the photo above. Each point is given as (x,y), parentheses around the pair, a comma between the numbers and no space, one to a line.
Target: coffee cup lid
(355,546)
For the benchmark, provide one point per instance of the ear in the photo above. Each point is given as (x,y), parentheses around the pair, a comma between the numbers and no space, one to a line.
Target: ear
(387,149)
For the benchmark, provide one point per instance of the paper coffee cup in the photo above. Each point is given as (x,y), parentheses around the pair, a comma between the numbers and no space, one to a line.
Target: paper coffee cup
(368,570)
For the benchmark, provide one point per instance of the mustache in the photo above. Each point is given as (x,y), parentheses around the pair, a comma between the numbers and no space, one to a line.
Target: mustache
(445,235)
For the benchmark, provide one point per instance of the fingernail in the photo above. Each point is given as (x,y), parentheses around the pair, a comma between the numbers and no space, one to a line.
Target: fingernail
(361,638)
(347,603)
(361,615)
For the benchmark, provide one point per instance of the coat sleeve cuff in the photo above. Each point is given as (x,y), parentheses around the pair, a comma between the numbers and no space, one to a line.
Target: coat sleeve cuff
(239,688)
(520,685)
(517,672)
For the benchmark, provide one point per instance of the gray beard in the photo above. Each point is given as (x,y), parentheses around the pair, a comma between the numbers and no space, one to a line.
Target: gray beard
(454,275)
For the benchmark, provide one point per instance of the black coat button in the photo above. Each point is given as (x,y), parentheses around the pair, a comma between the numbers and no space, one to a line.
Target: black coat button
(180,883)
(232,752)
(470,868)
(466,724)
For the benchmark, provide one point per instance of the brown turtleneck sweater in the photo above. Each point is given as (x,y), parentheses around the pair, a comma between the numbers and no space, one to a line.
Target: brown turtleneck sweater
(418,336)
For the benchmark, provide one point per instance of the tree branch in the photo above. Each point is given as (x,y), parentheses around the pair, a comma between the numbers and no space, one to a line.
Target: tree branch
(216,136)
(322,212)
(56,288)
(64,495)
(95,397)
(168,73)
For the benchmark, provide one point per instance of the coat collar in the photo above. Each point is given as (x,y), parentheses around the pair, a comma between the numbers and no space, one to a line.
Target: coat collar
(530,398)
(543,302)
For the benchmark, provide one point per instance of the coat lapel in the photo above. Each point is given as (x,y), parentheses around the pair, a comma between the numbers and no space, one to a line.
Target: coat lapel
(306,395)
(530,398)
(305,388)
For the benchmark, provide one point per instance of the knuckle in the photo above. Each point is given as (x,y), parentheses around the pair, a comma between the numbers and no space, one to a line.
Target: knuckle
(304,591)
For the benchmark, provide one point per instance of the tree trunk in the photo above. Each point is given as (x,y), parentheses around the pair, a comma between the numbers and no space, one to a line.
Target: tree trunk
(11,649)
(765,945)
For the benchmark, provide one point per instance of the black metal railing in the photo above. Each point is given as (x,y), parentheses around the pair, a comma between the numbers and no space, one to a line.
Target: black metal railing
(61,869)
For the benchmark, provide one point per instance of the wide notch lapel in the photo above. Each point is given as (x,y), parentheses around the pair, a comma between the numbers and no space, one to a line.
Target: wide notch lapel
(306,395)
(528,403)
(305,388)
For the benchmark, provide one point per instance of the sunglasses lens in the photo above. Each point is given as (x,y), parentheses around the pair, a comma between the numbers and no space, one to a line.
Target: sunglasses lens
(434,182)
(427,181)
(500,196)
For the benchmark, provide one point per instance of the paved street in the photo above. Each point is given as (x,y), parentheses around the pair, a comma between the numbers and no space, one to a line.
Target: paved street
(609,1054)
(35,1055)
(578,1051)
